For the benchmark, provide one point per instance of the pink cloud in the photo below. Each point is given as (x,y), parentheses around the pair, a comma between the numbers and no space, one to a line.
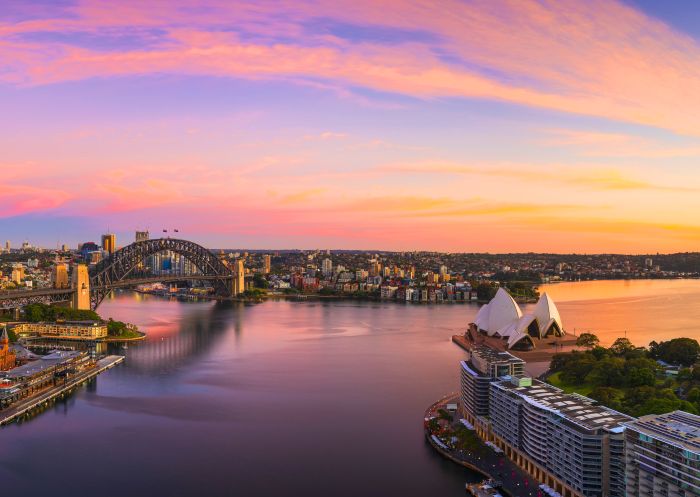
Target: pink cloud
(600,58)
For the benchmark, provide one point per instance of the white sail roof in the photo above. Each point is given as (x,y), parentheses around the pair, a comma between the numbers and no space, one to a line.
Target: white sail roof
(503,310)
(547,313)
(502,317)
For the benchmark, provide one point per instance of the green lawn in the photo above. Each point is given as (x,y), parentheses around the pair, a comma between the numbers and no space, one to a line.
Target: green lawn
(584,389)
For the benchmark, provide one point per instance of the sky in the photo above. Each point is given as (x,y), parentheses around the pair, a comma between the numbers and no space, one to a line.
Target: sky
(459,125)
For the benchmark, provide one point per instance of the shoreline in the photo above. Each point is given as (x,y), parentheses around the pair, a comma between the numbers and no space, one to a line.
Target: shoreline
(505,465)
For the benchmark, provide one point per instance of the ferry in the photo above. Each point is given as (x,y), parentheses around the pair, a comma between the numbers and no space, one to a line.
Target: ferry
(487,488)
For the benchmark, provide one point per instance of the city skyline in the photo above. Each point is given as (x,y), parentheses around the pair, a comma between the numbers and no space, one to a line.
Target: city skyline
(482,126)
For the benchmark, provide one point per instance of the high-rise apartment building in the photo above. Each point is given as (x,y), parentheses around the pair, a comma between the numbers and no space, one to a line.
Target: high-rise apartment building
(109,243)
(484,366)
(59,276)
(566,441)
(8,246)
(327,267)
(266,263)
(662,454)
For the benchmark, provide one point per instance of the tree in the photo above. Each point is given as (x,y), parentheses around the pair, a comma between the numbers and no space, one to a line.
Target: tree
(608,372)
(621,346)
(486,291)
(588,340)
(259,281)
(610,397)
(682,351)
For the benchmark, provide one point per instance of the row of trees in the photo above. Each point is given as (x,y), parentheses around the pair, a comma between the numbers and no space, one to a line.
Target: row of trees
(35,313)
(629,379)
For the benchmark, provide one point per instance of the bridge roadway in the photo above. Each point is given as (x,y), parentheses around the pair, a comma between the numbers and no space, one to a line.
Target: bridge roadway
(24,406)
(12,299)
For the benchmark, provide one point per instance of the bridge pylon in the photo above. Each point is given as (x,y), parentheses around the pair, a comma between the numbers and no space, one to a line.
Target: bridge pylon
(81,288)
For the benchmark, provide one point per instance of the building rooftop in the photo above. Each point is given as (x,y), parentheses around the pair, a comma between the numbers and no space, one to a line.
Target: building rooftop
(42,364)
(578,409)
(677,428)
(492,355)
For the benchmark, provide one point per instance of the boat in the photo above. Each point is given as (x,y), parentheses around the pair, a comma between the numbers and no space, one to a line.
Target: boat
(487,488)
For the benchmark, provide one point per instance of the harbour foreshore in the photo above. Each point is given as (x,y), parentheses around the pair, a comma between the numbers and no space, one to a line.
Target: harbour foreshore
(23,407)
(484,460)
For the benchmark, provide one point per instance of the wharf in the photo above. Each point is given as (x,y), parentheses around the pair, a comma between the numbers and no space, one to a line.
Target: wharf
(22,407)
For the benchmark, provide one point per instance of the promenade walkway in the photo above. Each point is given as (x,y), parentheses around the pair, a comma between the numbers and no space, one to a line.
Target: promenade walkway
(480,457)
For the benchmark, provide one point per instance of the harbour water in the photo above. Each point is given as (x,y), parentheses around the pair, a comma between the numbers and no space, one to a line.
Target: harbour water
(288,398)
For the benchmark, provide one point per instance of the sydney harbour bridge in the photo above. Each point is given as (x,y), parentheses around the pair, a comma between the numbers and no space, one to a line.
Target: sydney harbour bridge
(125,268)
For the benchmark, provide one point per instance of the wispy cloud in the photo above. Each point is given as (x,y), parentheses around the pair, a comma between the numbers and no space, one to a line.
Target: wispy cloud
(601,58)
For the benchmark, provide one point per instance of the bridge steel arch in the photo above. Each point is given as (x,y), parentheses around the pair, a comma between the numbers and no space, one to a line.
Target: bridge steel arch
(117,268)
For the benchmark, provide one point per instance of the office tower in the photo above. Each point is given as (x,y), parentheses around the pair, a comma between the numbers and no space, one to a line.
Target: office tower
(8,246)
(662,454)
(59,276)
(327,267)
(81,287)
(567,441)
(238,277)
(484,366)
(266,264)
(109,243)
(142,236)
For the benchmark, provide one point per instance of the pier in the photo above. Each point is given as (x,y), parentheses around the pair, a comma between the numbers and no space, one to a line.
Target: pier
(24,406)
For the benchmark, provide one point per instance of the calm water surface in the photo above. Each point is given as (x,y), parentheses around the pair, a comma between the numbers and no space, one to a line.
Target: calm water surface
(287,398)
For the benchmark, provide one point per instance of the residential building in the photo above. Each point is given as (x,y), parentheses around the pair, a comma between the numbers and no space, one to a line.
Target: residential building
(484,366)
(662,455)
(266,263)
(17,273)
(327,267)
(86,330)
(566,441)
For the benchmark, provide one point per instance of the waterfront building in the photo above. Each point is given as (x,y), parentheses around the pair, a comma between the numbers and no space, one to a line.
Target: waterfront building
(502,318)
(59,276)
(109,243)
(85,330)
(663,455)
(566,441)
(34,376)
(8,358)
(484,366)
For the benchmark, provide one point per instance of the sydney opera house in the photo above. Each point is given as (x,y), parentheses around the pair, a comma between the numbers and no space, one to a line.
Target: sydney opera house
(502,318)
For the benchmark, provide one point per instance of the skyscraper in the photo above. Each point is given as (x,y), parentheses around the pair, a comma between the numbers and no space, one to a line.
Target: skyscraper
(266,264)
(109,243)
